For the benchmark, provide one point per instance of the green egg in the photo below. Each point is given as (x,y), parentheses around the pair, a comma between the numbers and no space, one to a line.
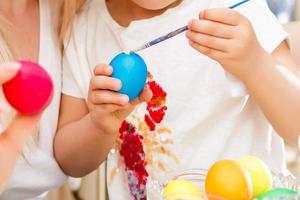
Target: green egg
(278,193)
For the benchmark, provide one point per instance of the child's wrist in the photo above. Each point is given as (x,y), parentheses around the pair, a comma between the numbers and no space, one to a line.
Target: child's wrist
(103,127)
(260,66)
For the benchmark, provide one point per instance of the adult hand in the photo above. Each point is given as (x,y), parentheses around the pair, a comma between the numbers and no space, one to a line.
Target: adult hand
(15,135)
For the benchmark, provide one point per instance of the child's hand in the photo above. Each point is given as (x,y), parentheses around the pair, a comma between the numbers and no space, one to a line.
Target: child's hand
(107,107)
(227,37)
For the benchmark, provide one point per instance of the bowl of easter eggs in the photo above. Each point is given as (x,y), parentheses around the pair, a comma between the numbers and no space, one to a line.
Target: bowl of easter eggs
(248,178)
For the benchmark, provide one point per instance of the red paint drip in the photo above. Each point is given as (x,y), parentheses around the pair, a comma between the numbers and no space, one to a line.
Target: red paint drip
(132,149)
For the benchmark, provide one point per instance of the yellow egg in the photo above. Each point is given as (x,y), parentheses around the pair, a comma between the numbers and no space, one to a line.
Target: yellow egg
(226,179)
(259,172)
(181,189)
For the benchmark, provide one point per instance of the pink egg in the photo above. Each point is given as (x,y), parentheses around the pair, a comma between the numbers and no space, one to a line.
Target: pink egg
(31,90)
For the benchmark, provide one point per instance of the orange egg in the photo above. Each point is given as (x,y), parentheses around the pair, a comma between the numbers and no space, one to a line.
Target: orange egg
(226,179)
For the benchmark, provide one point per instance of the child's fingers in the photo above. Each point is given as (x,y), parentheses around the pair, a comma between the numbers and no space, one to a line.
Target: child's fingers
(105,83)
(221,15)
(111,108)
(212,53)
(211,28)
(208,41)
(8,71)
(108,97)
(103,69)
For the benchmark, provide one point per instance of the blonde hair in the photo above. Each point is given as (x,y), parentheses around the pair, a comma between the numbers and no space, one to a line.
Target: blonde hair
(5,52)
(6,55)
(68,11)
(69,8)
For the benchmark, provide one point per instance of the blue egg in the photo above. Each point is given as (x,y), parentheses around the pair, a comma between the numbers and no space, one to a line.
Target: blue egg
(131,69)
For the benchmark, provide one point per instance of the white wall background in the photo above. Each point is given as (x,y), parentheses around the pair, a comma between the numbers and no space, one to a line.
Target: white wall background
(298,9)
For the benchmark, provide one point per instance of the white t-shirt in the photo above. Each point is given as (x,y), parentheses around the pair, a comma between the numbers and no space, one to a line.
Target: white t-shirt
(210,114)
(39,172)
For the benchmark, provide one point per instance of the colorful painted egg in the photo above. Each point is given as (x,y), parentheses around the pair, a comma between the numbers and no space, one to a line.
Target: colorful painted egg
(259,172)
(181,189)
(31,90)
(131,69)
(226,179)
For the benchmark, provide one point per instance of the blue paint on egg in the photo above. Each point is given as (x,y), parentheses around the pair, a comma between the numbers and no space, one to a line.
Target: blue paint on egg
(131,69)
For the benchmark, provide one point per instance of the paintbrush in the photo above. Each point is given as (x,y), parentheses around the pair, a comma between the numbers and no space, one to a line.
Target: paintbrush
(176,32)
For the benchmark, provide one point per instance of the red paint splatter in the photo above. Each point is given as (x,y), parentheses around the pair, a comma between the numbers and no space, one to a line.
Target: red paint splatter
(132,149)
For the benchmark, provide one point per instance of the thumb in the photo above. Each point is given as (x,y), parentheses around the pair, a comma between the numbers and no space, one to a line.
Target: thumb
(145,96)
(8,71)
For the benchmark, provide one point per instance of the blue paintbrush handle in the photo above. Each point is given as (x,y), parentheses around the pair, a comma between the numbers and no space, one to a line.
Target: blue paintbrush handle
(169,35)
(238,4)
